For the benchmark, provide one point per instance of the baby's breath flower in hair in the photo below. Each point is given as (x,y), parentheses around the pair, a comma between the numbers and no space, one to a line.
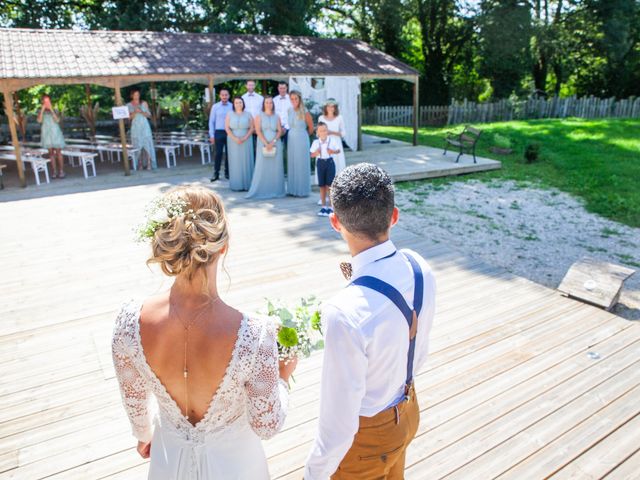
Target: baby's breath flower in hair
(159,213)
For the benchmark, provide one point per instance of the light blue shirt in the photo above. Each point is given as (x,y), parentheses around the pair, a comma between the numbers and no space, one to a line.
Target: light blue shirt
(217,117)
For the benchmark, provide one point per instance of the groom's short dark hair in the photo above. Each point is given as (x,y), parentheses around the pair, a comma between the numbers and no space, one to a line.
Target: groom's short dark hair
(363,199)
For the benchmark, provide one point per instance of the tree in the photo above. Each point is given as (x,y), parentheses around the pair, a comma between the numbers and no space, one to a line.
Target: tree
(505,33)
(445,34)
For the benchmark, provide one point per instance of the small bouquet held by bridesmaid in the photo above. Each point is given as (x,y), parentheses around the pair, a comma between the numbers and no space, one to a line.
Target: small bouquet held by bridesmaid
(300,331)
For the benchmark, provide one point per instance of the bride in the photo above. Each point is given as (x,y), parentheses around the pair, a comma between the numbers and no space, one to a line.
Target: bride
(213,371)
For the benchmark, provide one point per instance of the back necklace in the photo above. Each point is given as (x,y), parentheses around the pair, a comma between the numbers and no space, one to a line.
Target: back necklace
(186,326)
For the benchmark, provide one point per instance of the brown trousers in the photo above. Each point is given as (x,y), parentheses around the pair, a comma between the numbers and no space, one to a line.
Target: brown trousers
(379,448)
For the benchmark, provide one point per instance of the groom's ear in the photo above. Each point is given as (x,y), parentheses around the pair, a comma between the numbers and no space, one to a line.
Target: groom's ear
(395,216)
(335,222)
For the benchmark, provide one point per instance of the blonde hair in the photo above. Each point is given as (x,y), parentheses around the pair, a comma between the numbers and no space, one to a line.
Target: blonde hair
(301,112)
(188,243)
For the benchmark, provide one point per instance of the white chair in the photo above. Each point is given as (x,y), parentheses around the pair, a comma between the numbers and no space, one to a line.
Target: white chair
(205,151)
(84,158)
(169,153)
(38,165)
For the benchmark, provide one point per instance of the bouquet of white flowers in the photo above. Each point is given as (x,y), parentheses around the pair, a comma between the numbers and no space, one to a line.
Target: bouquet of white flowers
(300,331)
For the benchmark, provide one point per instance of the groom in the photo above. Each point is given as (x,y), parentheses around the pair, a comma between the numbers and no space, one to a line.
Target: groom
(376,337)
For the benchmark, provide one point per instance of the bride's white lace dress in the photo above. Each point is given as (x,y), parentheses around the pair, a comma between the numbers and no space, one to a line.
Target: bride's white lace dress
(250,404)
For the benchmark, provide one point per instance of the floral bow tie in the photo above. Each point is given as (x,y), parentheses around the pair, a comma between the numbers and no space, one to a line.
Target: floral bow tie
(346,269)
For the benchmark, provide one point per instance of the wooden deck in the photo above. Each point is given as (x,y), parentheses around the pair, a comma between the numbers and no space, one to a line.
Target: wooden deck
(402,160)
(521,382)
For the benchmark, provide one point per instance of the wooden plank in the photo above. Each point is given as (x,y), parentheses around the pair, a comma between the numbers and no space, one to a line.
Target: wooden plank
(605,456)
(595,282)
(448,459)
(566,432)
(628,470)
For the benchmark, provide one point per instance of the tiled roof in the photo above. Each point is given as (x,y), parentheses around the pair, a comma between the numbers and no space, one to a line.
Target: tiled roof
(33,54)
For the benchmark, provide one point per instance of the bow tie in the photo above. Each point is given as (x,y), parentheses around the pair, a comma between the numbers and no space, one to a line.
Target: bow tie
(346,269)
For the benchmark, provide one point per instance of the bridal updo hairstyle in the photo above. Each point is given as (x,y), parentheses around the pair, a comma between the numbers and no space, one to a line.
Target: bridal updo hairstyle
(194,240)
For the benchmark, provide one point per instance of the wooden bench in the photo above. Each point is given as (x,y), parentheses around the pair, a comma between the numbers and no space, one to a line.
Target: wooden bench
(38,164)
(169,153)
(464,141)
(85,159)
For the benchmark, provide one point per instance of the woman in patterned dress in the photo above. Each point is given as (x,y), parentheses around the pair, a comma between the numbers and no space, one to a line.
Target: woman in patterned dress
(141,136)
(51,137)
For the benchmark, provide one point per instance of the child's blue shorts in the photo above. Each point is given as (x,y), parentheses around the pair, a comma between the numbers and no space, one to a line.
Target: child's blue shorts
(326,170)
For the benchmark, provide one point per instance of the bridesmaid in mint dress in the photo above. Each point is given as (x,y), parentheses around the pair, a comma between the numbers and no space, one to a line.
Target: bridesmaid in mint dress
(239,127)
(268,177)
(51,137)
(141,136)
(298,157)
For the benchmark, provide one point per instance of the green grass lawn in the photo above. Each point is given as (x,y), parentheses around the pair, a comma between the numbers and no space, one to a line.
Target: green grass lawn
(597,160)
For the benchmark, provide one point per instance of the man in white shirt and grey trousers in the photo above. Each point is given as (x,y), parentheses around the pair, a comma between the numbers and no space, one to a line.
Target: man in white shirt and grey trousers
(376,336)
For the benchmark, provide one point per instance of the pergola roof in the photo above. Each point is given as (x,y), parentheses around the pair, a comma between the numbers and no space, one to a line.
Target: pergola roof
(30,57)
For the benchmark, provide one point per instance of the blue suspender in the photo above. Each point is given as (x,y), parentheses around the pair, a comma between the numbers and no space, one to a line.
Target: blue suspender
(398,300)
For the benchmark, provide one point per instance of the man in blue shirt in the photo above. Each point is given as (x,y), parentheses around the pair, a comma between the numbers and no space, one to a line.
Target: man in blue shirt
(217,133)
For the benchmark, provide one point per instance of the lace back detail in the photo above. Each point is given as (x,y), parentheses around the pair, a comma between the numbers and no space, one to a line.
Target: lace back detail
(250,390)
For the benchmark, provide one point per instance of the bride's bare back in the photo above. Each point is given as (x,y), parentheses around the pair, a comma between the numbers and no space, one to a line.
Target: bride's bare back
(212,336)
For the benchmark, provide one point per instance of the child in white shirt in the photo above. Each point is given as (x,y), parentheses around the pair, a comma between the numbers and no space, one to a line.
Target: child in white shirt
(323,148)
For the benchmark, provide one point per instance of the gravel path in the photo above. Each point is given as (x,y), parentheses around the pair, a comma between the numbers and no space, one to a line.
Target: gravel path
(534,233)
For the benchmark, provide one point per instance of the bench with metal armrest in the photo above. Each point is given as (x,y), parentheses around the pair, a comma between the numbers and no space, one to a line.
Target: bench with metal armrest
(464,141)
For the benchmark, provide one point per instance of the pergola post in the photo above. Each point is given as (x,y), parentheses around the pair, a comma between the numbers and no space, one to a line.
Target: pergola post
(153,94)
(211,99)
(8,108)
(92,124)
(416,111)
(360,119)
(123,136)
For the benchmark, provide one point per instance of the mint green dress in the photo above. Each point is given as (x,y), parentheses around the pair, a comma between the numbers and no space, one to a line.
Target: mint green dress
(50,132)
(240,156)
(298,157)
(268,177)
(141,136)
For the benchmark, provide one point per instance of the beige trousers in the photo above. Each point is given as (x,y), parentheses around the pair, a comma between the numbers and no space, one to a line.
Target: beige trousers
(379,447)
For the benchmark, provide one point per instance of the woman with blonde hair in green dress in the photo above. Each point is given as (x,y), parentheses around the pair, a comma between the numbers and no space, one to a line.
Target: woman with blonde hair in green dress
(51,137)
(298,156)
(141,136)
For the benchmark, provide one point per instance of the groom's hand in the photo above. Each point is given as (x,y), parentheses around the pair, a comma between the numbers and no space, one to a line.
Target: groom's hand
(144,449)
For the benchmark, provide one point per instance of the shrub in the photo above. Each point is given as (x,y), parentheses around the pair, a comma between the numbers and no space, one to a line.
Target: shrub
(501,141)
(531,152)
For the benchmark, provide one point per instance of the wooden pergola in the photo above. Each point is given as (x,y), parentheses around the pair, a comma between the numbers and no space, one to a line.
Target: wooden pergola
(116,59)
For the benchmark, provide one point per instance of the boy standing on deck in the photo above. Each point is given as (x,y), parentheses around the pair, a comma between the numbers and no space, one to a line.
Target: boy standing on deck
(323,149)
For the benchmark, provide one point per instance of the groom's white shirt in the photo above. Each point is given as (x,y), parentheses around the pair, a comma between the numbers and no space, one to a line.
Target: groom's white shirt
(365,356)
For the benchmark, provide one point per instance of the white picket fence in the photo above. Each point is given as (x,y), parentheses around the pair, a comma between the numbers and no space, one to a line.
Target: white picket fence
(505,110)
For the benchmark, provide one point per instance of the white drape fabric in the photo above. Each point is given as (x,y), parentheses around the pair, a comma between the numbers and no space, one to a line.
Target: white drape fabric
(344,90)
